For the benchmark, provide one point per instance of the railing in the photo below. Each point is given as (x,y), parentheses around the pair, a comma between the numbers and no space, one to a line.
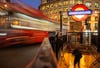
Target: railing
(82,38)
(86,42)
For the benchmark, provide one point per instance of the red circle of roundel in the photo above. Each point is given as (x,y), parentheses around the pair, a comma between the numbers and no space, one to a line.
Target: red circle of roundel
(83,8)
(79,6)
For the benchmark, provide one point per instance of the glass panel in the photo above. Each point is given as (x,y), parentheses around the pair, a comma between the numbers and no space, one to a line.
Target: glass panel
(88,4)
(96,4)
(3,22)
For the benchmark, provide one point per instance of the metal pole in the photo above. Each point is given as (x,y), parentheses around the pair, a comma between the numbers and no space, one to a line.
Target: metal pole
(98,43)
(61,22)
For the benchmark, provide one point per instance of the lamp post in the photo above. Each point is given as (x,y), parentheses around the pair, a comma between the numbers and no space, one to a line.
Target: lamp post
(98,43)
(60,22)
(60,14)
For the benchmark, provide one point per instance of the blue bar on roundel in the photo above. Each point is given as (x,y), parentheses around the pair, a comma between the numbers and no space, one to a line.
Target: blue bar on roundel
(83,12)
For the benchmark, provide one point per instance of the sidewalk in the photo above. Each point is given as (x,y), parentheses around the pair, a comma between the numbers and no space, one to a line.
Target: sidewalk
(44,57)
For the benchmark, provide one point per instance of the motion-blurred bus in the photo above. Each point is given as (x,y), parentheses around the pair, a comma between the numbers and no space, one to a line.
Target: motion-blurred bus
(23,25)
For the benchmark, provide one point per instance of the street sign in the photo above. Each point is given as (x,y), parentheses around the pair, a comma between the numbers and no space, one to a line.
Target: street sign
(79,12)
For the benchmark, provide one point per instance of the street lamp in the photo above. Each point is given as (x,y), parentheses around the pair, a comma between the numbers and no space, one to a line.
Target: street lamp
(60,13)
(60,22)
(98,43)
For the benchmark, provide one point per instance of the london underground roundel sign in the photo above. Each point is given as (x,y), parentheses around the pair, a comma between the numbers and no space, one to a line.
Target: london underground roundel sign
(79,12)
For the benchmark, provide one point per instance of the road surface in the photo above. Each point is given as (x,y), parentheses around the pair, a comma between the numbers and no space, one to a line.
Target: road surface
(17,57)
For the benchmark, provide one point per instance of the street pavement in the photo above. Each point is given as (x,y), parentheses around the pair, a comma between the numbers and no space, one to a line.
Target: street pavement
(18,56)
(44,58)
(34,56)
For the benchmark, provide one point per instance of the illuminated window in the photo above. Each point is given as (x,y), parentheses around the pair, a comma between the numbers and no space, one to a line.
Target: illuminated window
(88,4)
(51,12)
(78,1)
(65,9)
(51,5)
(65,2)
(22,23)
(2,22)
(44,1)
(47,6)
(60,3)
(97,4)
(55,5)
(72,1)
(15,22)
(43,7)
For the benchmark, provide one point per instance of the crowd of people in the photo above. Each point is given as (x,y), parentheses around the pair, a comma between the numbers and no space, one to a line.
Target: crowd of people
(57,41)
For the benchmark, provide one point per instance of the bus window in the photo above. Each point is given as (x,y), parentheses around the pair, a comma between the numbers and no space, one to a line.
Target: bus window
(3,22)
(15,22)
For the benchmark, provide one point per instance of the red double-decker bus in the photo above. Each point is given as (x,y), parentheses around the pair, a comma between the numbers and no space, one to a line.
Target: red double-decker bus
(20,25)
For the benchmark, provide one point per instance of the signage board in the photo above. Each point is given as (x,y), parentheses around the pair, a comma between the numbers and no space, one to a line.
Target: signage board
(80,12)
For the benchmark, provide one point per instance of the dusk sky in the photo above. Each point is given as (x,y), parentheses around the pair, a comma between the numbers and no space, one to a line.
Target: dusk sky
(33,3)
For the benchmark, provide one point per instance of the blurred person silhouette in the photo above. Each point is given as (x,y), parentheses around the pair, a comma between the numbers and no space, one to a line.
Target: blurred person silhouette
(59,45)
(52,40)
(81,37)
(78,55)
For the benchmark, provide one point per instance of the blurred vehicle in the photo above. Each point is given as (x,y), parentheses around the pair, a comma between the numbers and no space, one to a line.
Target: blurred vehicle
(20,25)
(10,37)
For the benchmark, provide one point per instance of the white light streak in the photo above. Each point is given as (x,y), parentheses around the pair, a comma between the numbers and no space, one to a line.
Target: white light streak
(3,34)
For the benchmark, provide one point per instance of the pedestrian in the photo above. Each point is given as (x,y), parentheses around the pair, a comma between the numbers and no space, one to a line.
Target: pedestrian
(56,41)
(78,55)
(59,45)
(81,37)
(52,40)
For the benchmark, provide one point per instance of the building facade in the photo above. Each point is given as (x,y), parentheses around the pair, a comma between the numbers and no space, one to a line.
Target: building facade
(52,8)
